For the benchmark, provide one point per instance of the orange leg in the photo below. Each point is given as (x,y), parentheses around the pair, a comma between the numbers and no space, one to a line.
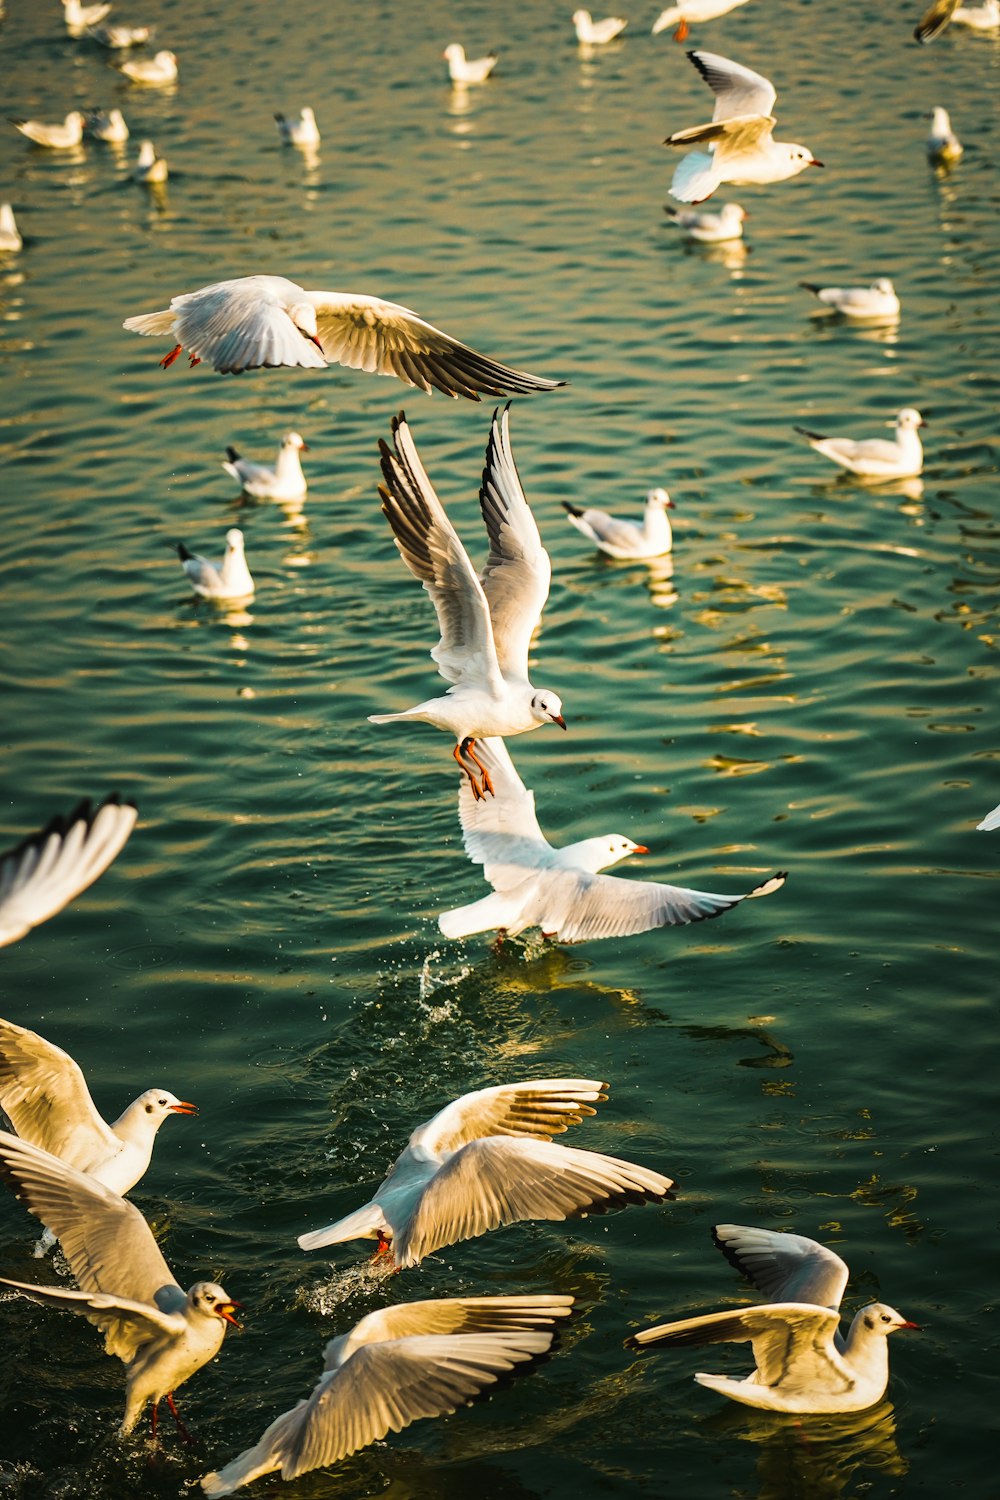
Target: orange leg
(467,750)
(682,32)
(168,359)
(458,754)
(194,360)
(384,1246)
(155,1417)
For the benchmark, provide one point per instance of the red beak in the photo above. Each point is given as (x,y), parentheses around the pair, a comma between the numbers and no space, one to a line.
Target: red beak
(226,1310)
(814,163)
(918,1327)
(182,1107)
(314,340)
(558,719)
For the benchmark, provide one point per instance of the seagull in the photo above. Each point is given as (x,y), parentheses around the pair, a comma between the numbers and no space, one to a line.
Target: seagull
(161,1333)
(285,481)
(486,622)
(486,1160)
(417,1359)
(692,13)
(877,302)
(708,228)
(268,320)
(62,137)
(156,72)
(10,235)
(985,17)
(876,458)
(117,38)
(943,145)
(627,539)
(463,70)
(149,167)
(301,132)
(591,33)
(991,821)
(49,869)
(802,1361)
(79,18)
(934,20)
(741,147)
(108,127)
(230,580)
(560,890)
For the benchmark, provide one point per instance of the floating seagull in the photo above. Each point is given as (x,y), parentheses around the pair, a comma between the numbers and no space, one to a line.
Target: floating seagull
(934,20)
(149,167)
(692,13)
(156,72)
(463,70)
(62,137)
(486,1160)
(117,38)
(231,580)
(627,539)
(79,18)
(943,145)
(985,17)
(560,890)
(803,1362)
(108,127)
(709,228)
(991,821)
(162,1334)
(417,1359)
(301,132)
(46,871)
(591,33)
(10,235)
(877,302)
(267,320)
(741,147)
(285,481)
(486,622)
(876,458)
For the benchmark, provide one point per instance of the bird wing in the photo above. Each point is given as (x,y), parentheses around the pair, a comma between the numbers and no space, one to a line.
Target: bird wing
(518,571)
(455,1315)
(737,90)
(501,832)
(793,1342)
(785,1267)
(101,1308)
(45,1096)
(46,871)
(430,547)
(743,135)
(501,1181)
(624,536)
(991,820)
(934,20)
(236,325)
(366,333)
(541,1108)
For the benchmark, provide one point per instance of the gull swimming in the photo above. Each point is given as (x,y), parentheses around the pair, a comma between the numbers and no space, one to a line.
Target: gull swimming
(110,127)
(934,20)
(876,458)
(10,235)
(803,1363)
(464,70)
(47,870)
(692,13)
(741,147)
(991,821)
(398,1364)
(117,38)
(156,72)
(230,580)
(486,622)
(709,228)
(285,481)
(301,132)
(487,1160)
(62,137)
(79,18)
(877,302)
(626,540)
(267,320)
(943,145)
(149,167)
(560,890)
(162,1334)
(591,33)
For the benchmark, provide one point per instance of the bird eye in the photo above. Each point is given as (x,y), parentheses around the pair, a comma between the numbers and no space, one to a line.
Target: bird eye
(886,1318)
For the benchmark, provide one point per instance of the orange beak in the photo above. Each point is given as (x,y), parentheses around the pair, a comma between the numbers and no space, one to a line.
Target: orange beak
(814,163)
(226,1310)
(182,1107)
(640,849)
(558,719)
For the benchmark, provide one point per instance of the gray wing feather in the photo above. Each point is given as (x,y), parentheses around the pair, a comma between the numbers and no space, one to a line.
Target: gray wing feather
(785,1267)
(574,906)
(738,90)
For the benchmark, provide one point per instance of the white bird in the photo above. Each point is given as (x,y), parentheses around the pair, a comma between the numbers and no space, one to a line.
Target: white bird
(398,1364)
(692,13)
(156,72)
(268,320)
(591,33)
(463,70)
(46,871)
(110,127)
(149,167)
(486,1160)
(991,821)
(985,17)
(650,537)
(230,580)
(943,144)
(79,18)
(560,890)
(301,132)
(803,1362)
(709,228)
(62,137)
(875,303)
(117,38)
(486,622)
(162,1334)
(934,20)
(741,147)
(876,458)
(285,481)
(10,235)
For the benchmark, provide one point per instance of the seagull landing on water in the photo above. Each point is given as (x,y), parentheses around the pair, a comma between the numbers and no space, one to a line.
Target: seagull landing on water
(591,33)
(231,580)
(876,458)
(301,132)
(489,1159)
(708,228)
(741,148)
(943,145)
(464,70)
(285,481)
(627,540)
(64,137)
(486,622)
(875,303)
(692,13)
(803,1362)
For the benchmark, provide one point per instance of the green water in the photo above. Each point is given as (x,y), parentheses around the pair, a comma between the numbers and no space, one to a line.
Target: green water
(812,689)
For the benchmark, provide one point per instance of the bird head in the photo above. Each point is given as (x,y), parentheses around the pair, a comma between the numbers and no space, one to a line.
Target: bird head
(211,1301)
(295,440)
(547,708)
(234,539)
(880,1318)
(884,287)
(159,1103)
(908,420)
(661,498)
(303,315)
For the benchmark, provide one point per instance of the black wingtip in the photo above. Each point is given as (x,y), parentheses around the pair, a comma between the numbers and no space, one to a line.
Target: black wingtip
(574,510)
(233,455)
(728,1251)
(816,437)
(810,286)
(183,552)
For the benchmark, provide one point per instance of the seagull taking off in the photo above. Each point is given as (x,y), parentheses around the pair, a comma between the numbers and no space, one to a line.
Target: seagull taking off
(876,303)
(464,70)
(876,458)
(803,1362)
(486,622)
(591,33)
(741,148)
(231,580)
(488,1159)
(692,13)
(285,481)
(627,540)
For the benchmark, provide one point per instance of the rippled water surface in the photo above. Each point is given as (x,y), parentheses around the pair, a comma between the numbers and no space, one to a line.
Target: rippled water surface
(812,688)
